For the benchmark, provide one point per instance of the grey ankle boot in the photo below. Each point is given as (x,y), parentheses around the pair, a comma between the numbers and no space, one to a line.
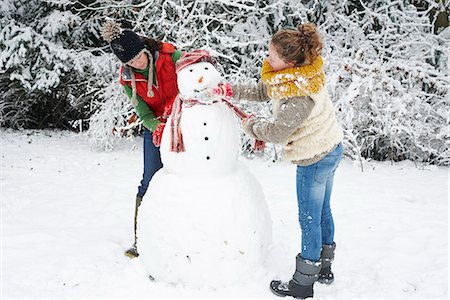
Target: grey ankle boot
(301,286)
(327,256)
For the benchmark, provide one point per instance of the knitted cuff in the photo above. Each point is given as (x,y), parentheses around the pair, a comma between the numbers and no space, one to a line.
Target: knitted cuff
(247,126)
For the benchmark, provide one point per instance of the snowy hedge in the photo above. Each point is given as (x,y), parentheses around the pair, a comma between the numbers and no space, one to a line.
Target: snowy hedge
(386,64)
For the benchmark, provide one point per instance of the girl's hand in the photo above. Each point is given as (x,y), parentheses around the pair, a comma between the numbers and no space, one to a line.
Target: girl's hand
(157,134)
(247,126)
(223,91)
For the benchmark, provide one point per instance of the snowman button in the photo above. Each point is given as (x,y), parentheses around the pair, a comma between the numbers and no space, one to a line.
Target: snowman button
(207,157)
(206,138)
(204,124)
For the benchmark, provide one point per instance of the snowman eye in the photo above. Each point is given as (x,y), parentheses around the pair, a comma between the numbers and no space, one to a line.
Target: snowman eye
(206,68)
(191,70)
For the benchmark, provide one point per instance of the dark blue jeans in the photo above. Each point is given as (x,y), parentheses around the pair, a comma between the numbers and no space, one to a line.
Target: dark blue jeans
(152,162)
(314,185)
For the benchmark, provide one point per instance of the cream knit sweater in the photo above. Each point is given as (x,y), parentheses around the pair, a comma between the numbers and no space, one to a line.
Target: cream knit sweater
(306,126)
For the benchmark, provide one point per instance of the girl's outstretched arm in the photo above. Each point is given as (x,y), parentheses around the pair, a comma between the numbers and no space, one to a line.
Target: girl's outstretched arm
(251,92)
(293,112)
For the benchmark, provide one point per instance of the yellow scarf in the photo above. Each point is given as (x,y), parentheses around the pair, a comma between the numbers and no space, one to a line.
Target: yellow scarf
(298,81)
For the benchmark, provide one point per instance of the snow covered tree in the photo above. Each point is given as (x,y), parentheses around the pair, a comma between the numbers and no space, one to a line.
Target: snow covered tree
(386,63)
(388,73)
(48,63)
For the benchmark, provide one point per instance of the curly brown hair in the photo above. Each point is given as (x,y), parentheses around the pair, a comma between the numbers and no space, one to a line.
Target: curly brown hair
(300,46)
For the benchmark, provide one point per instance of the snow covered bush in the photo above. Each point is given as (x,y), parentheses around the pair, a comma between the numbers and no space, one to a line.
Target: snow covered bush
(388,73)
(110,120)
(386,63)
(47,66)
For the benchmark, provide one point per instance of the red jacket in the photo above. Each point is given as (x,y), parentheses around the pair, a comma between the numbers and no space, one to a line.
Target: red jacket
(166,88)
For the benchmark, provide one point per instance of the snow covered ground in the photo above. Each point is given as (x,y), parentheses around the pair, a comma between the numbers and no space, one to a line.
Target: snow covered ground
(66,218)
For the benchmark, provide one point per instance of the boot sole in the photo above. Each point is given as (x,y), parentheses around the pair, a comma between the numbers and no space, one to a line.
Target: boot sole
(131,253)
(277,294)
(284,295)
(325,281)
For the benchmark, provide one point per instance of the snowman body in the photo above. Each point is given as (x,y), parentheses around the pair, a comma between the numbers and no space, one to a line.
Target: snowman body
(204,221)
(211,137)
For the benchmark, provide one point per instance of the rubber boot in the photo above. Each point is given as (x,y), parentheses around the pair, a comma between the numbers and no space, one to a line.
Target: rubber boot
(326,276)
(301,286)
(132,252)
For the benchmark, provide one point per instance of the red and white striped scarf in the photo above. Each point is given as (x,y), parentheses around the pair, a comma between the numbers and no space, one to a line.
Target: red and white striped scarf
(176,136)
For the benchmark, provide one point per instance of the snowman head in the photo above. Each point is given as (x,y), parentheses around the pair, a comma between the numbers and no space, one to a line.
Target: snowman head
(196,72)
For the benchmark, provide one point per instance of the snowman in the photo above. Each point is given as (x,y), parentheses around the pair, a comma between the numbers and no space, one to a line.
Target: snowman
(205,221)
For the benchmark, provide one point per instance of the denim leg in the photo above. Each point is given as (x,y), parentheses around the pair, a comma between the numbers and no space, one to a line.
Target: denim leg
(310,195)
(152,162)
(314,185)
(327,222)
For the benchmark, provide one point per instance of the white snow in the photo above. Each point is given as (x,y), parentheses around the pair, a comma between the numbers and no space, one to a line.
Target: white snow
(206,222)
(67,217)
(204,231)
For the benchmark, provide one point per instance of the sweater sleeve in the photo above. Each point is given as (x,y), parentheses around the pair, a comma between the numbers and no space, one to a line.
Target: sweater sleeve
(293,112)
(251,92)
(144,112)
(176,55)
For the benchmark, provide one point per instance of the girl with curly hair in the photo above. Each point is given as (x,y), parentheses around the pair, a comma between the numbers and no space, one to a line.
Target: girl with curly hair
(305,124)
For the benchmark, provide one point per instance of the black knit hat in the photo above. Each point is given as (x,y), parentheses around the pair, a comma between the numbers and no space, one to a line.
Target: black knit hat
(125,44)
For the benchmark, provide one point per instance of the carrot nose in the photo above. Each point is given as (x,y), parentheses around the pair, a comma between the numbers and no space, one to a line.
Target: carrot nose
(200,80)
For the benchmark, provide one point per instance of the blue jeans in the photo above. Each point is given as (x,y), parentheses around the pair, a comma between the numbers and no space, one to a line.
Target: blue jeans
(314,185)
(152,162)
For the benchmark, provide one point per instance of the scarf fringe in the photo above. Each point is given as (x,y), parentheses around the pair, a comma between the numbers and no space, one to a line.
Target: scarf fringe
(176,137)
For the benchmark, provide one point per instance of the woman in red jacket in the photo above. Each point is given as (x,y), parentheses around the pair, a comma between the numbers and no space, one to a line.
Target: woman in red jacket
(149,79)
